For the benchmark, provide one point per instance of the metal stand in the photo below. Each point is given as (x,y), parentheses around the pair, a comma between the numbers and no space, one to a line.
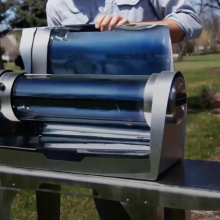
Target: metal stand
(48,208)
(143,212)
(176,214)
(7,196)
(190,185)
(48,204)
(146,212)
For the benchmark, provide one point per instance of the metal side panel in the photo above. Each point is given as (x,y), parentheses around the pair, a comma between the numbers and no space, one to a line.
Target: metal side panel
(161,93)
(25,47)
(7,197)
(173,141)
(127,167)
(39,51)
(190,185)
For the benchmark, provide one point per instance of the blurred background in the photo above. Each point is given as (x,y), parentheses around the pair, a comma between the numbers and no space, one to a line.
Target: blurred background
(199,61)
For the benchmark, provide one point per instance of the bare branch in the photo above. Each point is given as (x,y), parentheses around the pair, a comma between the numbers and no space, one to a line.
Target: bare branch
(218,2)
(210,5)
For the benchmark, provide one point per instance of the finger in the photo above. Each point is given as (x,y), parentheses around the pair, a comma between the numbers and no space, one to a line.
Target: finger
(106,22)
(122,22)
(99,21)
(114,21)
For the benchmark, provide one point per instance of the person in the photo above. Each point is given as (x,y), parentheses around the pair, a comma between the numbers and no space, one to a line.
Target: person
(178,15)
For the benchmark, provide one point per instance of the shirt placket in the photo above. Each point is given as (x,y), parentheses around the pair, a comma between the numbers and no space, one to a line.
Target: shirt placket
(108,7)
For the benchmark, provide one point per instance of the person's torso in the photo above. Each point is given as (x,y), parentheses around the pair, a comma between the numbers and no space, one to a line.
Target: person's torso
(86,11)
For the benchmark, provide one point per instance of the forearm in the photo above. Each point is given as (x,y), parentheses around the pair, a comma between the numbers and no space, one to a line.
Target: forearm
(183,14)
(176,33)
(182,26)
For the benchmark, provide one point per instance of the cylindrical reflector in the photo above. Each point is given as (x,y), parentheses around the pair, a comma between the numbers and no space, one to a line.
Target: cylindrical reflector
(118,52)
(79,98)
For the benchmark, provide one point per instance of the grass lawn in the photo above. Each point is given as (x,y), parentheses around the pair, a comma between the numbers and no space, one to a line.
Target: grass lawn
(202,142)
(203,128)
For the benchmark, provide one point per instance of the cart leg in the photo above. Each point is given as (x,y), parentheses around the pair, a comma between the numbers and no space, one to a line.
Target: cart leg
(141,211)
(176,214)
(48,204)
(7,196)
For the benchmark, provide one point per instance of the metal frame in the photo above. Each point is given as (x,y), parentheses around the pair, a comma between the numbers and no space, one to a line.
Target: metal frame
(25,47)
(164,150)
(48,204)
(183,191)
(132,192)
(40,50)
(181,188)
(8,80)
(34,46)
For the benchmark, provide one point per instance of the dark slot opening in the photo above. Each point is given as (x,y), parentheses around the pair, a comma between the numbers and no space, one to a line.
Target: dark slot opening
(82,28)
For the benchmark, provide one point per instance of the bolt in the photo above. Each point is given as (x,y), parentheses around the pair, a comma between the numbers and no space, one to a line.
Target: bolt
(127,200)
(2,87)
(13,184)
(145,202)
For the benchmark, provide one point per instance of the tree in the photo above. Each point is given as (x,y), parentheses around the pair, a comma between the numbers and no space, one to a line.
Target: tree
(181,49)
(189,48)
(209,14)
(212,25)
(3,27)
(28,13)
(214,4)
(204,40)
(210,17)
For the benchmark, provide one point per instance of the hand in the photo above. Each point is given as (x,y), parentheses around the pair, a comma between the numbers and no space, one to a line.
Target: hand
(111,21)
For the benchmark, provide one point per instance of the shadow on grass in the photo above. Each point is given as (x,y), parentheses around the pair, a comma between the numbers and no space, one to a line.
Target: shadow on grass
(194,106)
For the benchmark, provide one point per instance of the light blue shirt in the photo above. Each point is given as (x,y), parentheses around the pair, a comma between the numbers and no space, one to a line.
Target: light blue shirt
(68,12)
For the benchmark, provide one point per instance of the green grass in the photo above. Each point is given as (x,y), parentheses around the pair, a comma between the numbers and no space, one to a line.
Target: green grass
(11,66)
(202,141)
(72,207)
(203,128)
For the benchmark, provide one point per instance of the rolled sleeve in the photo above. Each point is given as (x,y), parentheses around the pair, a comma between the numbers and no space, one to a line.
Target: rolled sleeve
(183,13)
(53,18)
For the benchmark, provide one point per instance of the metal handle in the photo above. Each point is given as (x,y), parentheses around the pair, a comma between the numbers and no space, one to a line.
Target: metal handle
(82,28)
(181,100)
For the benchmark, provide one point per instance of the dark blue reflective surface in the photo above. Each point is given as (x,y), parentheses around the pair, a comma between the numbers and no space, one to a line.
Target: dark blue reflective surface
(113,99)
(88,111)
(118,52)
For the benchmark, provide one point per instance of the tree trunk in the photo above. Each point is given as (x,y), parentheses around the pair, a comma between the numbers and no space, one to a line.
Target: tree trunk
(180,58)
(181,48)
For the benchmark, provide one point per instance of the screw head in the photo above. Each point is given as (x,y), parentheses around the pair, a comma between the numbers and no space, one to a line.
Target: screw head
(127,200)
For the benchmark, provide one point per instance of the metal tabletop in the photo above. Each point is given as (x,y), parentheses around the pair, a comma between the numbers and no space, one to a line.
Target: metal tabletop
(189,185)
